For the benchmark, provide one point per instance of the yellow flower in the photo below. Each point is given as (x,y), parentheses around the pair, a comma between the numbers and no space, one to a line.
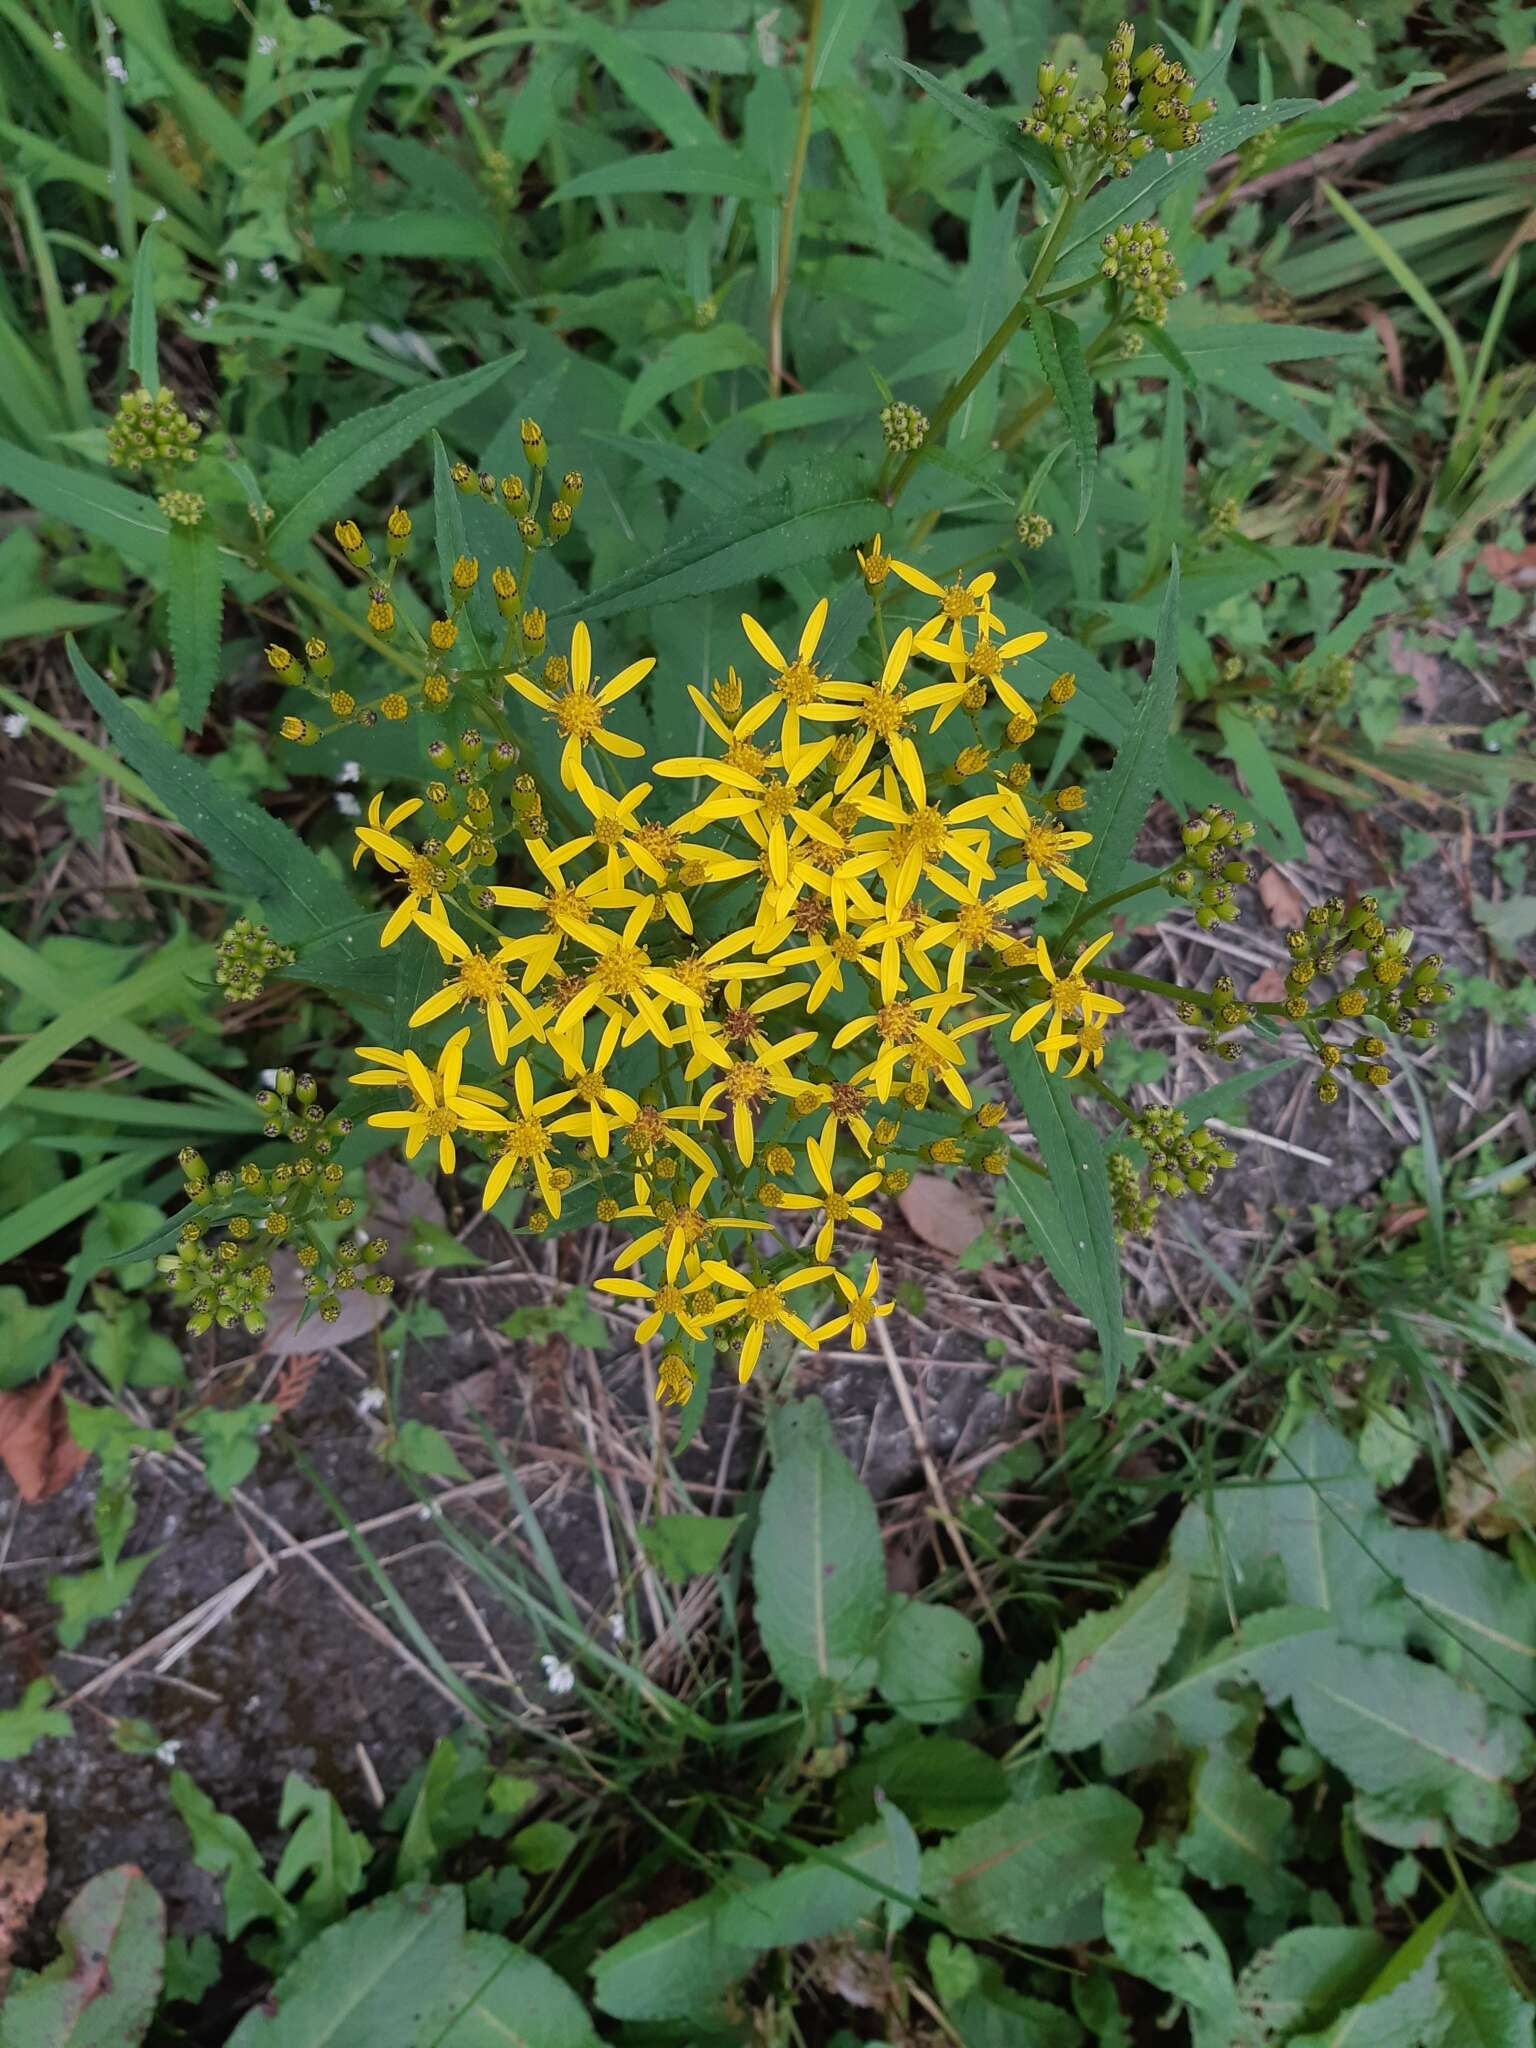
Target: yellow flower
(615,829)
(914,843)
(529,1139)
(862,1310)
(764,1306)
(606,1106)
(1046,844)
(1088,1038)
(681,1227)
(974,923)
(622,973)
(901,1027)
(797,684)
(480,978)
(579,711)
(383,822)
(835,1208)
(1069,995)
(441,1103)
(567,909)
(957,601)
(879,712)
(670,1300)
(675,1381)
(981,663)
(423,876)
(749,1085)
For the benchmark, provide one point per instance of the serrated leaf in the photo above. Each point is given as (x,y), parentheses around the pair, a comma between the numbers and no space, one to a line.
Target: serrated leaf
(1060,349)
(1479,2006)
(126,520)
(384,1973)
(1509,1903)
(1239,1833)
(818,1899)
(1107,1663)
(319,484)
(1395,2018)
(102,1990)
(681,1546)
(499,1996)
(1303,1979)
(1162,1936)
(818,1565)
(195,611)
(1068,1214)
(677,1966)
(930,1662)
(222,1847)
(1017,1870)
(1137,775)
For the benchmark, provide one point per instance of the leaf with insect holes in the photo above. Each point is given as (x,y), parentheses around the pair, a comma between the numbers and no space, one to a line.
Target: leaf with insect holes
(103,1989)
(1107,1663)
(818,1564)
(1163,1937)
(1015,1872)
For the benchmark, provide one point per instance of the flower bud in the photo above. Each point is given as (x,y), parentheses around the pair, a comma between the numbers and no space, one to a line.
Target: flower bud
(535,448)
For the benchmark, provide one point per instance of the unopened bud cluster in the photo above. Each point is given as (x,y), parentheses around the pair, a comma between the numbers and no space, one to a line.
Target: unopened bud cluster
(1389,986)
(245,956)
(1138,265)
(1033,529)
(1148,103)
(151,431)
(183,508)
(904,427)
(1180,1162)
(1212,865)
(220,1271)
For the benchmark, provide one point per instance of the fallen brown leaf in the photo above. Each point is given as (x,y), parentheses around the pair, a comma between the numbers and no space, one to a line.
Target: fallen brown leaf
(1509,565)
(1522,1265)
(36,1447)
(23,1879)
(1269,987)
(1282,899)
(942,1213)
(285,1335)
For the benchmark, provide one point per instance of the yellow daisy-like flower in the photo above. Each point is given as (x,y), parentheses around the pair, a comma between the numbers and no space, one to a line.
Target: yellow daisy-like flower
(482,979)
(981,663)
(835,1207)
(1069,995)
(764,1306)
(669,1300)
(606,1106)
(383,822)
(441,1103)
(622,976)
(901,1026)
(1046,844)
(749,1085)
(797,684)
(879,713)
(862,1310)
(529,1139)
(421,875)
(579,712)
(958,602)
(566,908)
(682,1228)
(1088,1038)
(675,1381)
(914,843)
(974,923)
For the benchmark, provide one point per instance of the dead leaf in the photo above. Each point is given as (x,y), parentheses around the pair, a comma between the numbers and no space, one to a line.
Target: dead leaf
(1508,565)
(1269,987)
(1282,899)
(1391,347)
(284,1336)
(23,1879)
(36,1447)
(1423,667)
(942,1213)
(1522,1265)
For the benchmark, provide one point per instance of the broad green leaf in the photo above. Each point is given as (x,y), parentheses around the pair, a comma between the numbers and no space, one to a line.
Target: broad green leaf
(677,1966)
(1471,1609)
(685,360)
(103,1989)
(1068,1214)
(322,1849)
(499,1996)
(86,1597)
(1399,2017)
(1000,2018)
(938,1781)
(414,231)
(1060,349)
(1509,1902)
(128,521)
(681,1546)
(1480,2005)
(321,483)
(1107,1663)
(1303,1980)
(1128,793)
(832,1894)
(1331,1535)
(1161,1935)
(1018,1869)
(195,611)
(221,1846)
(143,327)
(646,86)
(229,1441)
(36,1221)
(44,618)
(818,1564)
(1251,758)
(708,168)
(32,1721)
(1239,1833)
(930,1662)
(385,1973)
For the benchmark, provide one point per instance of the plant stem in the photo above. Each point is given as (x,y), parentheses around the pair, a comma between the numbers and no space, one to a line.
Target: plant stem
(992,348)
(791,204)
(1103,903)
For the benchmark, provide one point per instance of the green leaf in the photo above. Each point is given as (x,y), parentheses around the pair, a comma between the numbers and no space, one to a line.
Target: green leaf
(930,1662)
(1068,1214)
(1105,1666)
(1137,775)
(837,1890)
(420,1448)
(221,1846)
(33,1721)
(543,1847)
(434,1247)
(123,1348)
(143,336)
(1329,1532)
(85,1597)
(1479,2006)
(1471,1609)
(1407,280)
(818,1565)
(646,87)
(319,484)
(385,1973)
(38,1219)
(322,1848)
(677,1966)
(230,1441)
(1060,349)
(1304,1979)
(126,520)
(990,123)
(1509,1902)
(1251,758)
(1162,1936)
(938,1781)
(103,1989)
(1020,1868)
(682,1546)
(415,231)
(201,109)
(195,612)
(686,359)
(1239,1833)
(498,1996)
(711,169)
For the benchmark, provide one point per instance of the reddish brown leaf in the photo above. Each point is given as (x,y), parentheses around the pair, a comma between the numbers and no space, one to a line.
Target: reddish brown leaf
(1282,899)
(1268,987)
(1510,566)
(23,1879)
(942,1213)
(36,1447)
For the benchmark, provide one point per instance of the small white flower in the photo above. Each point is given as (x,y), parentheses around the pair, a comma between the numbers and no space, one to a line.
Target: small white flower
(58,40)
(196,318)
(370,1401)
(471,99)
(231,270)
(77,289)
(266,46)
(347,804)
(350,771)
(268,1077)
(110,251)
(169,1750)
(14,724)
(558,1675)
(210,305)
(158,214)
(616,1627)
(1530,92)
(116,68)
(267,271)
(108,25)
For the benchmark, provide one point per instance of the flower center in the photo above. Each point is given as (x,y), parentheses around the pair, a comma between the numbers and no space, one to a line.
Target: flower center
(923,832)
(897,1023)
(421,876)
(670,1301)
(974,922)
(740,1024)
(482,979)
(648,1130)
(658,842)
(882,715)
(797,684)
(1040,843)
(838,1208)
(591,1087)
(747,1082)
(441,1123)
(621,972)
(526,1141)
(608,831)
(847,1102)
(985,660)
(750,759)
(777,802)
(579,715)
(845,947)
(1067,995)
(763,1305)
(810,916)
(958,603)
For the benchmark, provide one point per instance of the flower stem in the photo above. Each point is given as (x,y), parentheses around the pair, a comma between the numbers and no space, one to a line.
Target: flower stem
(1092,910)
(791,204)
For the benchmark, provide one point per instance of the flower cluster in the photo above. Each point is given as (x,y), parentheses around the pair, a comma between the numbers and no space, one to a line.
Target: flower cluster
(151,431)
(220,1271)
(1390,986)
(717,1002)
(244,957)
(1148,102)
(1179,1161)
(1140,270)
